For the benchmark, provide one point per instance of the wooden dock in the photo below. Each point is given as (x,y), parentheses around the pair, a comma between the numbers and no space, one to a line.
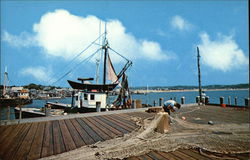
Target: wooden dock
(41,139)
(36,138)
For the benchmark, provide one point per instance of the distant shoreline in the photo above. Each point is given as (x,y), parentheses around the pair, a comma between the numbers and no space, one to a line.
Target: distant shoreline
(143,91)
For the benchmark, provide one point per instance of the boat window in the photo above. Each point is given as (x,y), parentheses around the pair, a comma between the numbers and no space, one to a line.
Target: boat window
(85,96)
(92,97)
(76,98)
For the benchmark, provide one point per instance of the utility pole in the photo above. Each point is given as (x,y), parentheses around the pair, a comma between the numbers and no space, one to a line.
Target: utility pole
(199,74)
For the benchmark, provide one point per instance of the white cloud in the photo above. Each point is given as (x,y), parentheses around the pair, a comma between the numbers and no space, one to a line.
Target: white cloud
(221,54)
(40,73)
(180,23)
(62,34)
(23,40)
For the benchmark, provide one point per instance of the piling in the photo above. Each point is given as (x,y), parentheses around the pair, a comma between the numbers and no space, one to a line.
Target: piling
(8,113)
(203,100)
(206,100)
(182,100)
(229,100)
(221,100)
(160,101)
(20,112)
(197,99)
(0,113)
(235,101)
(98,106)
(47,109)
(133,104)
(171,98)
(247,102)
(174,98)
(154,103)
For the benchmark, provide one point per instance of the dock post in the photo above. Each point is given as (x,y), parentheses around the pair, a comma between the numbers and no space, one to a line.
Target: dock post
(247,100)
(160,101)
(133,104)
(221,100)
(229,100)
(171,98)
(154,103)
(20,112)
(235,101)
(198,99)
(203,99)
(0,113)
(47,108)
(206,100)
(98,106)
(8,113)
(182,100)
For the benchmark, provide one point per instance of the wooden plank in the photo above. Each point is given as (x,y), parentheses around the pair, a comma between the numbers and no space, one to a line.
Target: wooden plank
(145,157)
(133,158)
(102,134)
(9,154)
(74,134)
(123,122)
(167,156)
(24,148)
(3,129)
(67,139)
(90,131)
(194,155)
(174,154)
(86,138)
(6,132)
(58,146)
(155,156)
(114,125)
(124,119)
(119,123)
(36,147)
(6,143)
(47,148)
(110,128)
(183,156)
(197,152)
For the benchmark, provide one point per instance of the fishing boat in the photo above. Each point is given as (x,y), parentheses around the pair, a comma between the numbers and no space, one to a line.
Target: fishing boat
(91,97)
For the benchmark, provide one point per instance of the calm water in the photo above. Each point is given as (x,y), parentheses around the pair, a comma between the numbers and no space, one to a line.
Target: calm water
(150,97)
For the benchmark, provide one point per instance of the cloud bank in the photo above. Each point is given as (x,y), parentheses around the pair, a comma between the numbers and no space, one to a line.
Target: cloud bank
(221,54)
(40,73)
(62,34)
(179,23)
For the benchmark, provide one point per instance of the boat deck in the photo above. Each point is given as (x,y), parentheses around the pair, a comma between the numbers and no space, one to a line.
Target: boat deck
(41,139)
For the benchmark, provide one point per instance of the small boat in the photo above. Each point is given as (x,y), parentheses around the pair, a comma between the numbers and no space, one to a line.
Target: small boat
(92,97)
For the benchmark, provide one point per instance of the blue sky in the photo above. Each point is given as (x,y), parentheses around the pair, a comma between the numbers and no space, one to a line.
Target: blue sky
(39,38)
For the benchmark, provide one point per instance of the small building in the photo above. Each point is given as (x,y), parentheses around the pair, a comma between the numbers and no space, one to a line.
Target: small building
(24,93)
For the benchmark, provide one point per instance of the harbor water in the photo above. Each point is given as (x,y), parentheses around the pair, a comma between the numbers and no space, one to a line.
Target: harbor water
(149,98)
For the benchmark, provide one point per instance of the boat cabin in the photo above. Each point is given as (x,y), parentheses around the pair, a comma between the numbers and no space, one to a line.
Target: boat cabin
(90,100)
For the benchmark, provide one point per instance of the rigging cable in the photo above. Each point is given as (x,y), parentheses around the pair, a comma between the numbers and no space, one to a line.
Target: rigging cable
(93,42)
(84,60)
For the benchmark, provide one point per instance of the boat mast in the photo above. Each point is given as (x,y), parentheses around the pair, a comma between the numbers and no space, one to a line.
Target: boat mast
(98,58)
(199,74)
(105,47)
(5,84)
